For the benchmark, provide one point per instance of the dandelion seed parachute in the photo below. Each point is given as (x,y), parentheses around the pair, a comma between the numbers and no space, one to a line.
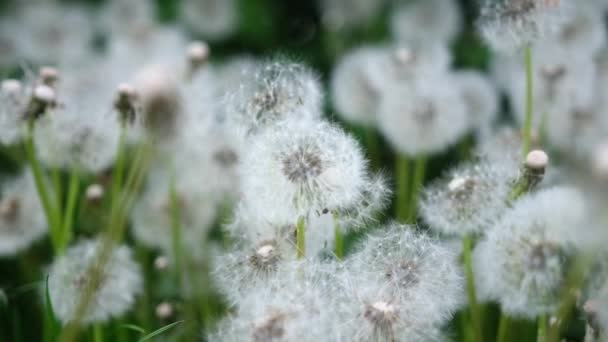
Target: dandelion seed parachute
(469,199)
(523,260)
(418,272)
(22,220)
(423,118)
(424,21)
(121,282)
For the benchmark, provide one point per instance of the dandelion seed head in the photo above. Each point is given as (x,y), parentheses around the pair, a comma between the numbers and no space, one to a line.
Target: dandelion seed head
(523,260)
(416,270)
(22,219)
(481,98)
(424,118)
(164,310)
(94,192)
(537,160)
(160,99)
(13,99)
(119,284)
(508,25)
(468,199)
(49,76)
(424,21)
(197,54)
(354,92)
(302,168)
(273,92)
(212,19)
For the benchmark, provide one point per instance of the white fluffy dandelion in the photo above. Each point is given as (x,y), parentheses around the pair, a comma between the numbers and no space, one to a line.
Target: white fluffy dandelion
(345,15)
(423,118)
(481,97)
(119,284)
(303,168)
(426,21)
(13,99)
(354,92)
(22,219)
(469,199)
(272,92)
(523,261)
(416,270)
(508,25)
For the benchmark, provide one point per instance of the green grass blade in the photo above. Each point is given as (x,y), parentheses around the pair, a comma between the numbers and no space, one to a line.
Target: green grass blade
(134,328)
(49,313)
(159,331)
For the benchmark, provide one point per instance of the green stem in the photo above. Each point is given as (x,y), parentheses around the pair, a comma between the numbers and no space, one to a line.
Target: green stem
(373,149)
(419,175)
(402,175)
(503,328)
(97,333)
(467,245)
(41,187)
(118,174)
(56,178)
(527,129)
(176,229)
(68,219)
(338,238)
(542,329)
(301,238)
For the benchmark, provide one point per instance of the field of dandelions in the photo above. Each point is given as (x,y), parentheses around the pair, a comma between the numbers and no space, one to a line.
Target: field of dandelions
(292,171)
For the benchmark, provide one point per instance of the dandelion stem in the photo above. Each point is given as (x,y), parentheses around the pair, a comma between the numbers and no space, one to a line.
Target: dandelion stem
(97,333)
(467,245)
(503,328)
(338,238)
(527,129)
(68,218)
(419,174)
(175,228)
(118,174)
(402,175)
(373,150)
(41,187)
(301,238)
(542,329)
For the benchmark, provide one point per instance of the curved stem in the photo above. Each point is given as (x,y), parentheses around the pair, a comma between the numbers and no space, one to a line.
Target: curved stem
(301,238)
(402,175)
(467,245)
(41,187)
(527,129)
(419,175)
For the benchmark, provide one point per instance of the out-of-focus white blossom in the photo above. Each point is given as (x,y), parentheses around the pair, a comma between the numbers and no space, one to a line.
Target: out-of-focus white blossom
(426,21)
(211,19)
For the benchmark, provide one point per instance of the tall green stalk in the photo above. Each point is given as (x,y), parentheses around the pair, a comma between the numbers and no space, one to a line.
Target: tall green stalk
(97,333)
(301,238)
(503,328)
(475,311)
(402,175)
(176,229)
(542,329)
(50,210)
(68,218)
(527,129)
(419,176)
(338,238)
